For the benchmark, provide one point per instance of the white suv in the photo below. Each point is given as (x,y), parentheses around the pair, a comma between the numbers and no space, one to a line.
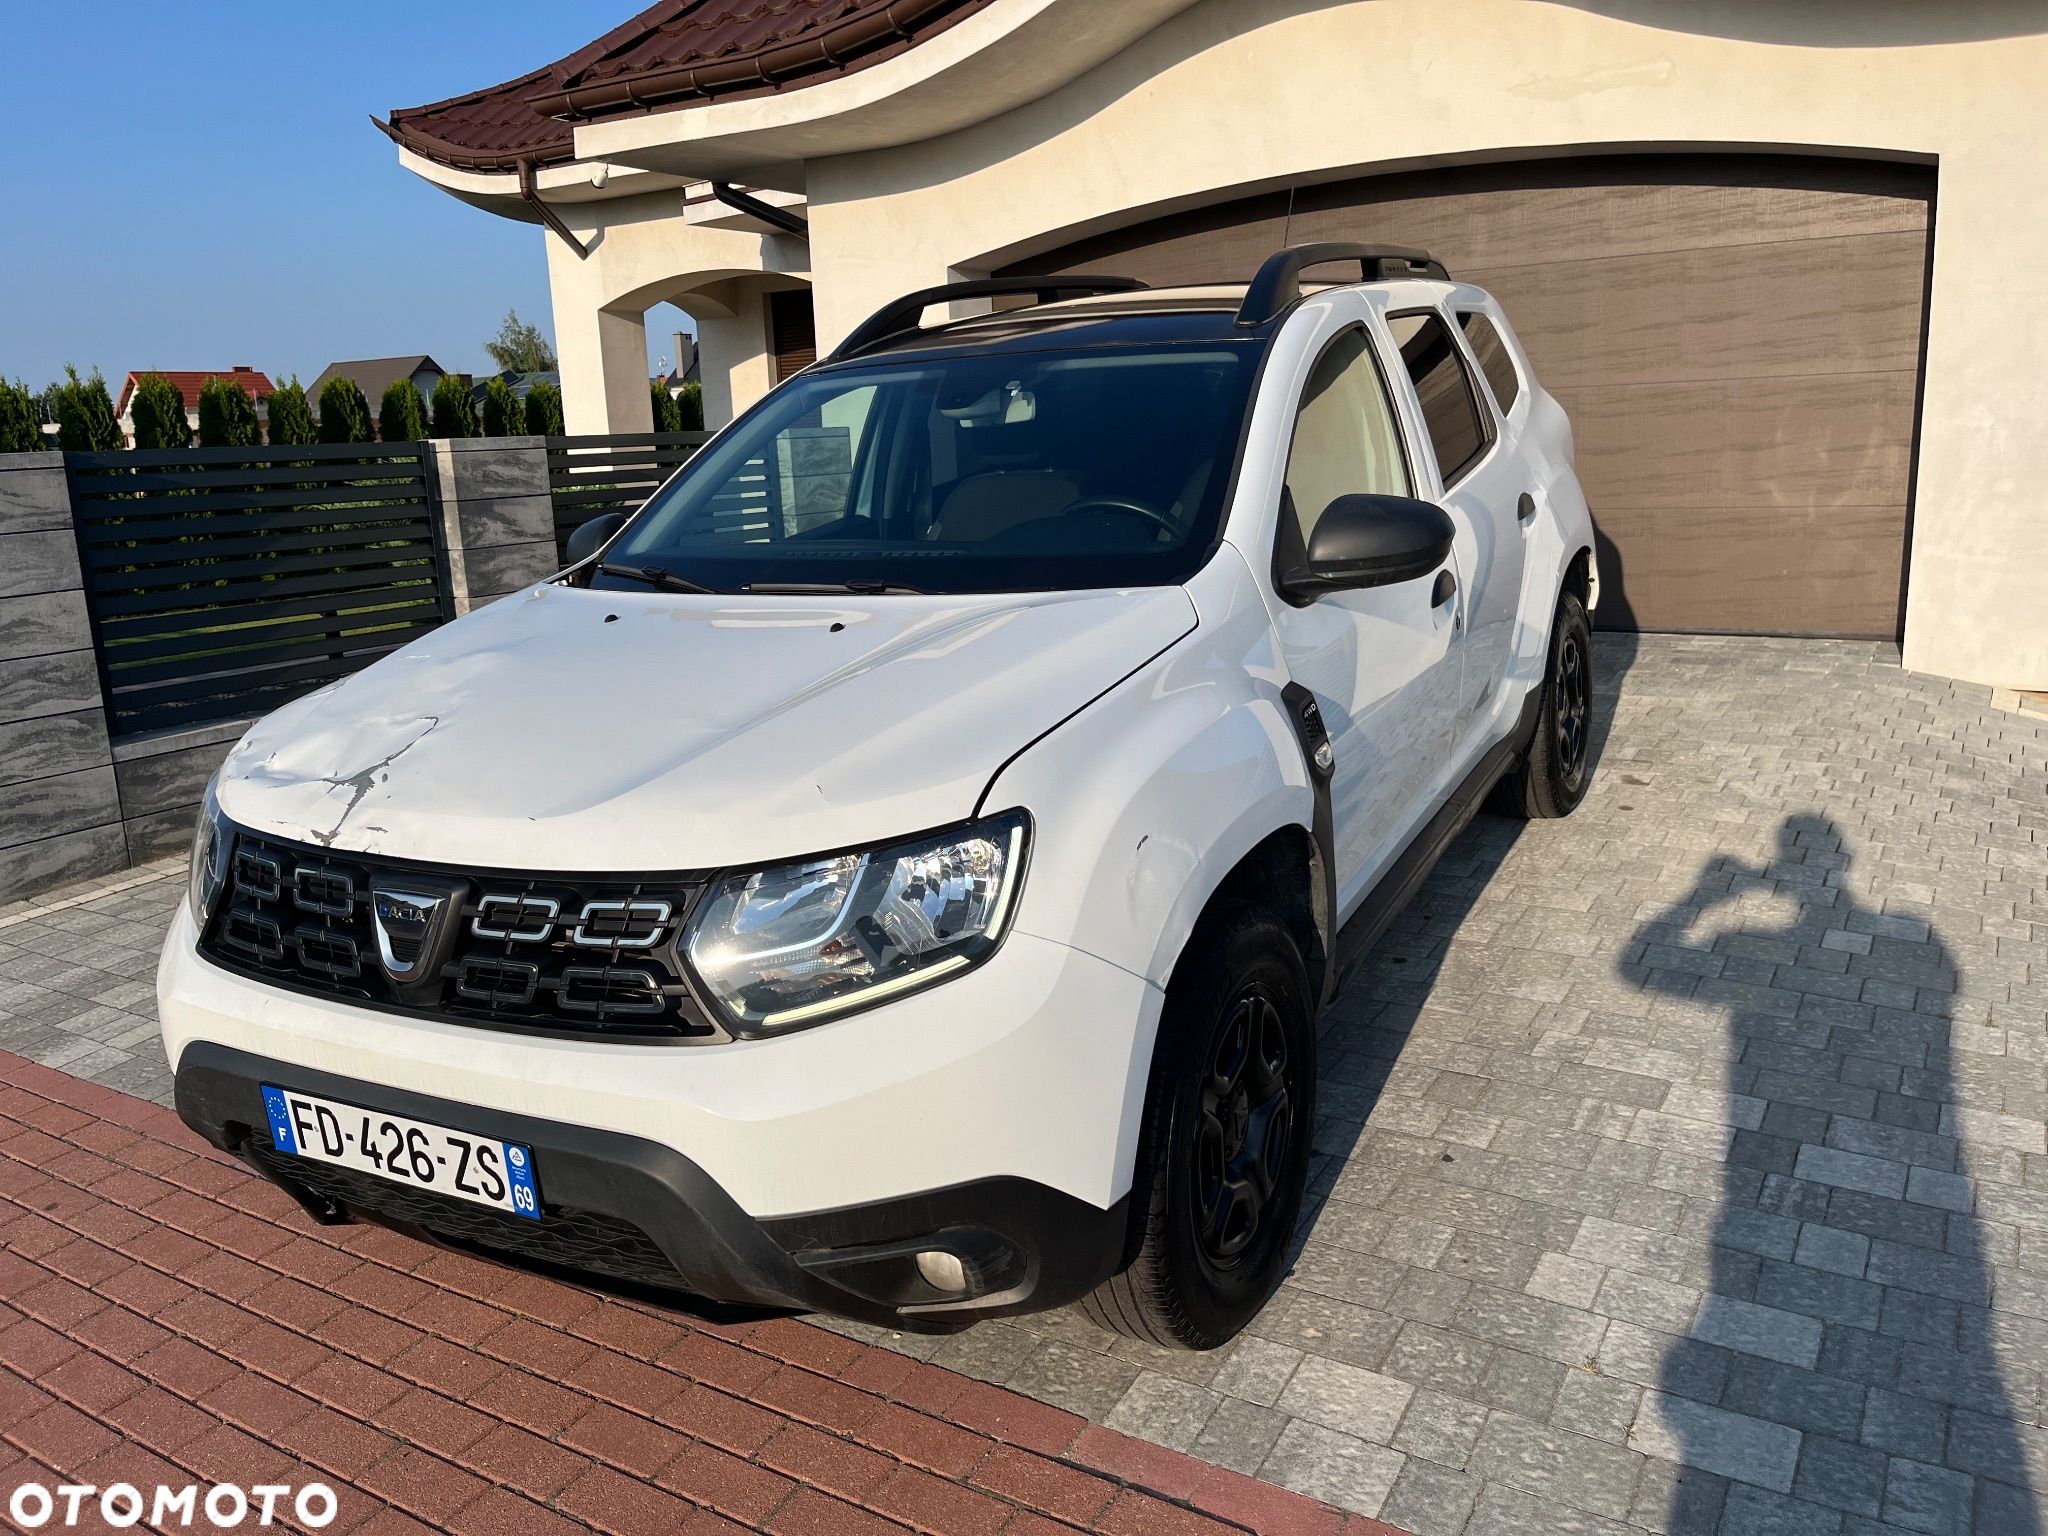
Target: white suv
(897,873)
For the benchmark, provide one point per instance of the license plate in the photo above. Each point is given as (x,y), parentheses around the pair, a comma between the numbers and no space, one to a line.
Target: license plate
(412,1152)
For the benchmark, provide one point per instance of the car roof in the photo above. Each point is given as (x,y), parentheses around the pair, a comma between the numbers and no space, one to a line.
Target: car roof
(1140,317)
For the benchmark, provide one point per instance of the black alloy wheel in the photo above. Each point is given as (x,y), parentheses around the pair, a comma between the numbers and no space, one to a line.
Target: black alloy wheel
(1245,1131)
(1574,706)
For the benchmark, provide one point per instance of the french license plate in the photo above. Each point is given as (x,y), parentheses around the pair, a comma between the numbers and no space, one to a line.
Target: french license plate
(477,1168)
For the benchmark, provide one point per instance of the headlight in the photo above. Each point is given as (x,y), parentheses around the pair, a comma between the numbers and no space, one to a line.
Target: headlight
(801,942)
(212,841)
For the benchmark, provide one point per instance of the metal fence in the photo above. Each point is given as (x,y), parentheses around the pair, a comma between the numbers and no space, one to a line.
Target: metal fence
(590,476)
(224,581)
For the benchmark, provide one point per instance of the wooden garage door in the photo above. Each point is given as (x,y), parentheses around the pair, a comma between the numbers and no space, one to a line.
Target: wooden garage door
(1737,340)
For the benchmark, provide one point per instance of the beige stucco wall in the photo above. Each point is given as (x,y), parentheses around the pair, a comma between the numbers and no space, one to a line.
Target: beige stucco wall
(641,252)
(1238,94)
(1230,96)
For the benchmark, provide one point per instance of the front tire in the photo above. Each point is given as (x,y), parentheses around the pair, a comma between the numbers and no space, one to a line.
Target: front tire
(1223,1154)
(1558,766)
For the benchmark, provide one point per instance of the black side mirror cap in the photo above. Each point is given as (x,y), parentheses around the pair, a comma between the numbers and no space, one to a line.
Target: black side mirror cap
(1370,541)
(594,535)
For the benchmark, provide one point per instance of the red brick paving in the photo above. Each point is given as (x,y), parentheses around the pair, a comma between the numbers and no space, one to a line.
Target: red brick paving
(167,1316)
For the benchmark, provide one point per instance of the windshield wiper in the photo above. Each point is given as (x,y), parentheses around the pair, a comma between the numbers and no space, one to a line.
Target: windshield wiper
(656,576)
(860,588)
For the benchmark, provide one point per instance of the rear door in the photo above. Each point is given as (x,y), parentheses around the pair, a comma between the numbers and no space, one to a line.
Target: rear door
(1480,483)
(1382,662)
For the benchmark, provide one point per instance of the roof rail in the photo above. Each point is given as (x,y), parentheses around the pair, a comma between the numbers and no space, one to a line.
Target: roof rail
(902,315)
(1278,283)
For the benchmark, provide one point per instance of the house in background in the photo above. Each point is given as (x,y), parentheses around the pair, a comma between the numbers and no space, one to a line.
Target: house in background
(373,375)
(520,382)
(683,363)
(189,383)
(1764,254)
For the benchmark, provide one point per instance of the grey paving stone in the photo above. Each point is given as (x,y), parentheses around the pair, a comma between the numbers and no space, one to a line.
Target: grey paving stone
(1429,1500)
(1735,1445)
(1337,1468)
(1749,1328)
(1558,1465)
(1257,1369)
(1346,1397)
(1676,1500)
(1164,1410)
(1440,1427)
(1752,1511)
(1899,1425)
(1239,1435)
(1596,1406)
(1840,1475)
(1920,1497)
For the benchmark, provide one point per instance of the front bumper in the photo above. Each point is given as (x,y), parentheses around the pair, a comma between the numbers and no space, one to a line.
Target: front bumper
(631,1211)
(998,1111)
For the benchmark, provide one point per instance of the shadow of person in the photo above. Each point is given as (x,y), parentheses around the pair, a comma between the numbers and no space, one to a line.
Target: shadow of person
(1846,1357)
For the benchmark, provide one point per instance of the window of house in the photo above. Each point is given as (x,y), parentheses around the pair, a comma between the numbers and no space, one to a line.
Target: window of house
(1345,440)
(1450,405)
(1484,340)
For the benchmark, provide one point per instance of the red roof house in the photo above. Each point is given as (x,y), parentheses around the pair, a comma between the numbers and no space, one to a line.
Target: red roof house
(256,382)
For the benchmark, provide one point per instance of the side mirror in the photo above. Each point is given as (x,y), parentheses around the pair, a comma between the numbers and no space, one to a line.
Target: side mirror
(1370,541)
(594,535)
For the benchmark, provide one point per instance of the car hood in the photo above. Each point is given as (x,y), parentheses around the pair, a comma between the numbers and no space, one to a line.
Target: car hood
(584,731)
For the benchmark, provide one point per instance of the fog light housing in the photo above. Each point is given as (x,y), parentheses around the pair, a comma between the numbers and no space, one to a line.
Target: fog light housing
(942,1271)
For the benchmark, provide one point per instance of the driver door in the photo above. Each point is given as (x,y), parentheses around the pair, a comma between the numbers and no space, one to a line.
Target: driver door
(1381,661)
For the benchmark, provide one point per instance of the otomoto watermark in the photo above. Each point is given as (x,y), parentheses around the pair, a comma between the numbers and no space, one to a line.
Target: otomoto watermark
(223,1506)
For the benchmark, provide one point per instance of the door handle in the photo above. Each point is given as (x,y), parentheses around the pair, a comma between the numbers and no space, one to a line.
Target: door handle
(1446,589)
(1525,509)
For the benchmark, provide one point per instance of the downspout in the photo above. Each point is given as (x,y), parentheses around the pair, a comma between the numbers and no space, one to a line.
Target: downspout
(548,216)
(780,218)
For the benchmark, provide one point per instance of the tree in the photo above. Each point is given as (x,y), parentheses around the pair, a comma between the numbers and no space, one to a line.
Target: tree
(454,416)
(690,407)
(520,348)
(503,416)
(158,411)
(21,427)
(227,416)
(291,419)
(666,417)
(344,413)
(544,411)
(85,414)
(401,414)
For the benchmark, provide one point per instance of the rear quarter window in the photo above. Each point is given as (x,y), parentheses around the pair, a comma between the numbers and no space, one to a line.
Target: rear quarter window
(1451,412)
(1484,338)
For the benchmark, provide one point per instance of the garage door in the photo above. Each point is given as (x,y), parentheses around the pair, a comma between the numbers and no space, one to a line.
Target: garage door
(1737,339)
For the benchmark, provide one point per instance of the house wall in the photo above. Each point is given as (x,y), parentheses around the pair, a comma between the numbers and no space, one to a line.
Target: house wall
(641,252)
(1233,96)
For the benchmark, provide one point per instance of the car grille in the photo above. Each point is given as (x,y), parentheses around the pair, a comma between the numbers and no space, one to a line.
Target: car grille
(580,955)
(563,1236)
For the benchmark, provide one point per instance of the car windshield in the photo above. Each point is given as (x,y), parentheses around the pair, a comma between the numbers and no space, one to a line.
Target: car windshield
(987,473)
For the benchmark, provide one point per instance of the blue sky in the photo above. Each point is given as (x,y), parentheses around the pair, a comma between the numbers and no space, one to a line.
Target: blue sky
(197,184)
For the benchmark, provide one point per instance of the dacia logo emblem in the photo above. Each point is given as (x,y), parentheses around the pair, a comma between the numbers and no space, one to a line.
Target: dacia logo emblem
(408,923)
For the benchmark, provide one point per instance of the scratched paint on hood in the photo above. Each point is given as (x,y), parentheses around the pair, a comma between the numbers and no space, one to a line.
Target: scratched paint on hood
(575,730)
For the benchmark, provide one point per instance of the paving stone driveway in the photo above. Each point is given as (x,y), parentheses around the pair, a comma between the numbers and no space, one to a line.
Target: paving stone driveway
(1681,1166)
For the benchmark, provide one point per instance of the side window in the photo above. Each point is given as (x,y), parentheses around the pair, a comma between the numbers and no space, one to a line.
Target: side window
(1450,407)
(1345,440)
(1484,340)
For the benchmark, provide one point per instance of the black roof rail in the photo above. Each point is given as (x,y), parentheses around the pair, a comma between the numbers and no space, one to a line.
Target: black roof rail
(1278,283)
(902,315)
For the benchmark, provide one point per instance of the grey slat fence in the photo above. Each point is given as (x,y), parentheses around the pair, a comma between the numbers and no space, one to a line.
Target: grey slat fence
(616,472)
(222,582)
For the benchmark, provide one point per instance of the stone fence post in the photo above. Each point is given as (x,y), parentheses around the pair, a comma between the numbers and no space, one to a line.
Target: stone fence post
(60,814)
(495,515)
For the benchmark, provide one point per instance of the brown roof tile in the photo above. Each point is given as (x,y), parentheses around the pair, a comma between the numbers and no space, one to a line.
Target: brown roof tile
(673,54)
